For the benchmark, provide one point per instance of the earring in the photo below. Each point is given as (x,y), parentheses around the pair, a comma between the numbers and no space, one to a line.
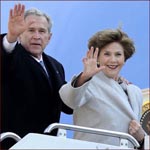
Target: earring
(98,64)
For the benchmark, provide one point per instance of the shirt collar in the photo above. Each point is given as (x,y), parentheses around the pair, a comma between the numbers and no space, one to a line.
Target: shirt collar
(38,60)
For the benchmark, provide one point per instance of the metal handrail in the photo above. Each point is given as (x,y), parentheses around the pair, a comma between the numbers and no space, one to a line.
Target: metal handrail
(93,131)
(12,135)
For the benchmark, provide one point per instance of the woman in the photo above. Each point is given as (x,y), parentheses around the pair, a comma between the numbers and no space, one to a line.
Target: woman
(98,99)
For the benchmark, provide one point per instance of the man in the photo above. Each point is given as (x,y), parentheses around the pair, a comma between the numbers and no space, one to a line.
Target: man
(30,99)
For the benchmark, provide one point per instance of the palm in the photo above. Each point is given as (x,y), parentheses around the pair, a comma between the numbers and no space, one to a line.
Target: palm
(16,24)
(90,63)
(90,66)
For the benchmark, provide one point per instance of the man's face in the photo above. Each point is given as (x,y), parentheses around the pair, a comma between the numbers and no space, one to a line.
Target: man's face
(35,38)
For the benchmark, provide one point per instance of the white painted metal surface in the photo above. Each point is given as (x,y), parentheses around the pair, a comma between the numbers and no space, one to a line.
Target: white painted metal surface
(41,141)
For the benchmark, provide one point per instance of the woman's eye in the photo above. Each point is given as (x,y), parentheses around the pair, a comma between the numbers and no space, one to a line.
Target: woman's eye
(107,54)
(119,54)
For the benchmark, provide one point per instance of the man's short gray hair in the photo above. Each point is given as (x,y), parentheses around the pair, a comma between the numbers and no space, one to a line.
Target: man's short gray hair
(36,12)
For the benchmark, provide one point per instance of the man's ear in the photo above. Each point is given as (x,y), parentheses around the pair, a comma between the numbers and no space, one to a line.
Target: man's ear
(50,35)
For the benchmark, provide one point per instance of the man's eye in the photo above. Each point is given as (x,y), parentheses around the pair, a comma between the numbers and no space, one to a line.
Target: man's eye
(31,30)
(42,31)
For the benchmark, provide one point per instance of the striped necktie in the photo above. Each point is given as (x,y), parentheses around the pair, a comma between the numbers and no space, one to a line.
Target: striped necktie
(42,64)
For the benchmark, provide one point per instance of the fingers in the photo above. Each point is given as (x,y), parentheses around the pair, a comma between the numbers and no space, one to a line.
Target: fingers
(134,124)
(95,54)
(120,80)
(124,80)
(133,129)
(22,10)
(15,10)
(11,13)
(84,60)
(136,130)
(18,10)
(92,54)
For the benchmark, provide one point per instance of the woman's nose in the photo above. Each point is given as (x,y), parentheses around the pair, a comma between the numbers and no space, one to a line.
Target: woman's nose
(113,58)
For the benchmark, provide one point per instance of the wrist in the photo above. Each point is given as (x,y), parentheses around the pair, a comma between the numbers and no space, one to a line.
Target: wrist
(11,39)
(85,77)
(80,80)
(141,144)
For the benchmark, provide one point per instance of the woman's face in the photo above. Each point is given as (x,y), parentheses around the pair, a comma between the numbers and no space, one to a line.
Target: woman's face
(112,57)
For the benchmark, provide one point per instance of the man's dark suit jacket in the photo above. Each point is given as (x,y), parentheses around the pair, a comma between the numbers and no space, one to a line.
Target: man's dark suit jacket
(29,100)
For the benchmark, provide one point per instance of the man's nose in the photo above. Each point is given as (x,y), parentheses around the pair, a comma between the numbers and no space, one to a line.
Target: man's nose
(36,35)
